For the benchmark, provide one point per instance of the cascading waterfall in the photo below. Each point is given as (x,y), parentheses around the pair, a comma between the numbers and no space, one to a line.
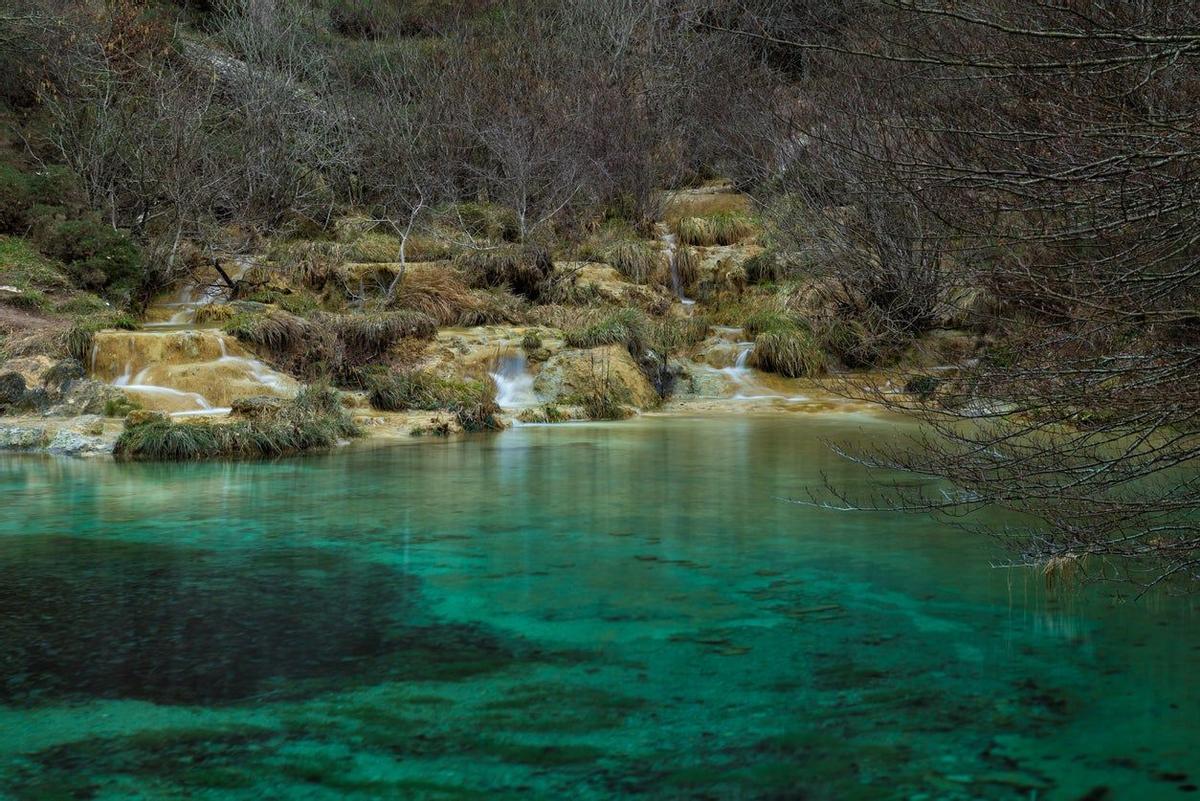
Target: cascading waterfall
(180,369)
(191,297)
(514,382)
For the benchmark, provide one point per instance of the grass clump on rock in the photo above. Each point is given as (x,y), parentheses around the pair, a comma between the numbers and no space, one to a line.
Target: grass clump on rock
(635,260)
(723,228)
(524,270)
(627,327)
(79,338)
(473,403)
(785,346)
(314,419)
(338,345)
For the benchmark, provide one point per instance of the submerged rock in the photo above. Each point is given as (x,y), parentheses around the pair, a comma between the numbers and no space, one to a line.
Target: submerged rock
(85,619)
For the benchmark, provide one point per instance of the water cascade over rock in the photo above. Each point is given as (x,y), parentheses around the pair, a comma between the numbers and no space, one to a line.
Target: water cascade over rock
(722,370)
(514,382)
(182,370)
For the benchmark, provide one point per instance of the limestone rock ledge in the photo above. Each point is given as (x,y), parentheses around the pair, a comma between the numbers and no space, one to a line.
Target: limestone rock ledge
(86,435)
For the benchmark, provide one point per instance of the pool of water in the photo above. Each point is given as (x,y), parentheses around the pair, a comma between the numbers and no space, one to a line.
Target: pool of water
(583,611)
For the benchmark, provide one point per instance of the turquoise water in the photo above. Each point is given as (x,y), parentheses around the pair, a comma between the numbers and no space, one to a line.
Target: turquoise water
(582,611)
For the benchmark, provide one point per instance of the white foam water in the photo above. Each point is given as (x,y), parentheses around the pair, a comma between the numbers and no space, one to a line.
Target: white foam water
(514,383)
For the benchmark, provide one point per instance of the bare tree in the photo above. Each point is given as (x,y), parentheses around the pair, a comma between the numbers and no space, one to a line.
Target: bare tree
(1055,145)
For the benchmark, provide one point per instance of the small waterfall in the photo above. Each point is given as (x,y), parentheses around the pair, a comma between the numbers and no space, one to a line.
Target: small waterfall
(514,382)
(191,297)
(739,373)
(671,248)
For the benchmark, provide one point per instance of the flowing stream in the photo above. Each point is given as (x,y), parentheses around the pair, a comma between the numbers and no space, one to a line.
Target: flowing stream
(591,611)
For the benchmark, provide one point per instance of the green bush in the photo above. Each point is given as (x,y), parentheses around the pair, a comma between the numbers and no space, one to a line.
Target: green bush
(784,346)
(97,255)
(314,419)
(82,304)
(23,267)
(722,228)
(15,200)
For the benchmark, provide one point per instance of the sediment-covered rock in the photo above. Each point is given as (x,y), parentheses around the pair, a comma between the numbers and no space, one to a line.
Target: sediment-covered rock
(575,373)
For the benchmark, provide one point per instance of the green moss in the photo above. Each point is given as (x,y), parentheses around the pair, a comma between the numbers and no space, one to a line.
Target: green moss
(22,266)
(96,255)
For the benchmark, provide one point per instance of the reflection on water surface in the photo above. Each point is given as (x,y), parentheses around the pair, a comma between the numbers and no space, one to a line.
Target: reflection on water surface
(585,611)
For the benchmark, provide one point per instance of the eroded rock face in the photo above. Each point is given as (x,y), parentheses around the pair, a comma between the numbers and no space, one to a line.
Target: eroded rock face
(574,372)
(32,369)
(86,397)
(607,284)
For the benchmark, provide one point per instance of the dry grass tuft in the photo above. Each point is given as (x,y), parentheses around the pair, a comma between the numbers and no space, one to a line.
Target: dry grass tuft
(436,291)
(726,228)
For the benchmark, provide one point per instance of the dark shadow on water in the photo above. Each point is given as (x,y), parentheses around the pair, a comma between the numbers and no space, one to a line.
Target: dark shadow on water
(88,619)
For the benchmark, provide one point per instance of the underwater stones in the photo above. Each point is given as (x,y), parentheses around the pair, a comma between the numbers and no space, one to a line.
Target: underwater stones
(83,619)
